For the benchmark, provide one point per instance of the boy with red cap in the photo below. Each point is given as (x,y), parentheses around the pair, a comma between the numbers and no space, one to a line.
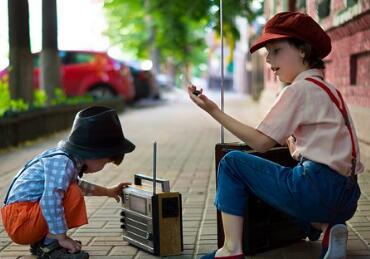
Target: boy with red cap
(45,198)
(311,117)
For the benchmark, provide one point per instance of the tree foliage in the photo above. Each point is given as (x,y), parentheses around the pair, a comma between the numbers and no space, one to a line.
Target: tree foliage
(177,28)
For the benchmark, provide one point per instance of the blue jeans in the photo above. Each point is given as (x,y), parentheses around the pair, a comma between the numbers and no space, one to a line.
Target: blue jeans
(309,192)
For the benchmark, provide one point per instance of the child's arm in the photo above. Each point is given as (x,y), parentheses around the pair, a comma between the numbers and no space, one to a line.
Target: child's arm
(97,190)
(254,138)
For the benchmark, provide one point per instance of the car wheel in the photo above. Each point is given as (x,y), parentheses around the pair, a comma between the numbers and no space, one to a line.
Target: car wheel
(102,92)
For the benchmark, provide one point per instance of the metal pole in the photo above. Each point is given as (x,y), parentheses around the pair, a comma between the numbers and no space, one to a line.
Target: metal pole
(222,67)
(154,167)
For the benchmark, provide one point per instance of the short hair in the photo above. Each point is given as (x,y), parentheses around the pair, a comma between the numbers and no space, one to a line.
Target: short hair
(310,57)
(117,160)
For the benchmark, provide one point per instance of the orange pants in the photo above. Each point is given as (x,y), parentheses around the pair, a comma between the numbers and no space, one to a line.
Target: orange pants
(25,224)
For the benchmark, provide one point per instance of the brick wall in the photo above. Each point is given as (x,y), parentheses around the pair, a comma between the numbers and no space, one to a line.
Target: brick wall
(348,65)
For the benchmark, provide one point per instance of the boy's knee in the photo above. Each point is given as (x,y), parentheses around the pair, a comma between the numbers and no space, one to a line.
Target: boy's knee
(229,163)
(231,156)
(235,157)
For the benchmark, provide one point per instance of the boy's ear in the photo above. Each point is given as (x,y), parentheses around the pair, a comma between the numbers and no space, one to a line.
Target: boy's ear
(302,53)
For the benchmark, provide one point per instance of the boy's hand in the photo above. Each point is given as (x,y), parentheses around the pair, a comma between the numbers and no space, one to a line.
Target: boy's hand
(201,100)
(291,144)
(68,243)
(116,191)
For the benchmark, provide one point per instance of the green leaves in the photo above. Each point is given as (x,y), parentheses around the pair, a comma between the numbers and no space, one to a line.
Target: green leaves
(62,99)
(10,107)
(176,29)
(39,99)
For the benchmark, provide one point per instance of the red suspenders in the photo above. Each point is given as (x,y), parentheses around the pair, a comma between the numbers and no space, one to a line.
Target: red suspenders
(342,108)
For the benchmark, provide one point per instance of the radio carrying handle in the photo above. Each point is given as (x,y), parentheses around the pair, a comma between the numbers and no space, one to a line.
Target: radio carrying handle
(165,183)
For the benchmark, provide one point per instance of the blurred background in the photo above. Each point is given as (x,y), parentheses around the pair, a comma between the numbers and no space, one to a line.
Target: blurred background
(163,44)
(54,51)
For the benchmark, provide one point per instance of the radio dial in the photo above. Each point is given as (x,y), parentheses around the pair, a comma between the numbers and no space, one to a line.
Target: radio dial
(149,236)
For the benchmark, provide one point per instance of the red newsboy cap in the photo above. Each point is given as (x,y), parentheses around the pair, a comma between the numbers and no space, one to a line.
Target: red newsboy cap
(295,25)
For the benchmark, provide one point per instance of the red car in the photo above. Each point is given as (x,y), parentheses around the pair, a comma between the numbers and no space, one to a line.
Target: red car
(91,72)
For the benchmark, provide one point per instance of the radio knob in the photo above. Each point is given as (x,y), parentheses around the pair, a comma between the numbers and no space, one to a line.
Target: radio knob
(123,226)
(123,220)
(149,236)
(123,213)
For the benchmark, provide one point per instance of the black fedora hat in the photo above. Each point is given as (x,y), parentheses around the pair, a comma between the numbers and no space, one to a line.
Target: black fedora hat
(97,133)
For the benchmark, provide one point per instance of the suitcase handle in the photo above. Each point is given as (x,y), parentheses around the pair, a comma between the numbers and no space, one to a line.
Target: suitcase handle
(164,183)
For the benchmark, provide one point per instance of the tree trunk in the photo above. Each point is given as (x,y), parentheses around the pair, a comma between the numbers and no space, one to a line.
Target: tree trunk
(171,71)
(20,57)
(154,51)
(50,62)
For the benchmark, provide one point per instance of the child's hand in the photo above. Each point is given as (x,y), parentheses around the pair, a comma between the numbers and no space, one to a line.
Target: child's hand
(201,100)
(291,144)
(116,191)
(68,243)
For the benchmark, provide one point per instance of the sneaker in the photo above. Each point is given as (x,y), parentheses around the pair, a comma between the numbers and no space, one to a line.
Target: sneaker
(337,245)
(55,251)
(212,256)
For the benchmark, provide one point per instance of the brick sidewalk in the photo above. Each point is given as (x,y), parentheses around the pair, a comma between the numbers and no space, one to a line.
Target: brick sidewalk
(186,137)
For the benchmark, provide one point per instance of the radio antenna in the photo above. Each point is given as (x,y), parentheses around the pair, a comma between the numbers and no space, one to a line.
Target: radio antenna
(222,66)
(154,167)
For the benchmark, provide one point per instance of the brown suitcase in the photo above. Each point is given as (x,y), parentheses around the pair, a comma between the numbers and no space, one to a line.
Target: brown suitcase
(265,228)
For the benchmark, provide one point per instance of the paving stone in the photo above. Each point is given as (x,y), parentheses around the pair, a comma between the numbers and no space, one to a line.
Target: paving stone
(123,250)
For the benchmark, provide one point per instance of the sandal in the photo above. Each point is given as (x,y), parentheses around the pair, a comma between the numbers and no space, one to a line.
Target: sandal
(55,251)
(34,247)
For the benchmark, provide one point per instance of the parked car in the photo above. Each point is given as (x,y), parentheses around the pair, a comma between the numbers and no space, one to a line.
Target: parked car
(144,82)
(164,82)
(91,72)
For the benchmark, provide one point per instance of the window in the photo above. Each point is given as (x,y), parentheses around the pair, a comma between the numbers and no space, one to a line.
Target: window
(83,58)
(76,57)
(351,3)
(359,69)
(323,8)
(300,5)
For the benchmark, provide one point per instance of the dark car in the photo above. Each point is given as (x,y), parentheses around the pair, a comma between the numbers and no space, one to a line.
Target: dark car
(144,82)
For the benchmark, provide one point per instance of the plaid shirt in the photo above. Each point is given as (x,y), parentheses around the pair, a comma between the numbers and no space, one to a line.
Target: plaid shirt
(46,181)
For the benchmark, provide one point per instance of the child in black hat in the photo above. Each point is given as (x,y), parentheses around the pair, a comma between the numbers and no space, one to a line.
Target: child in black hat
(45,198)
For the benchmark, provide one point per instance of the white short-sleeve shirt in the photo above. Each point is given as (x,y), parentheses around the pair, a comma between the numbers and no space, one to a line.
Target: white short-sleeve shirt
(306,111)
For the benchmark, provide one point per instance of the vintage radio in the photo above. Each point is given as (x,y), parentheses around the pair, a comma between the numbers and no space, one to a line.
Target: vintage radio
(152,221)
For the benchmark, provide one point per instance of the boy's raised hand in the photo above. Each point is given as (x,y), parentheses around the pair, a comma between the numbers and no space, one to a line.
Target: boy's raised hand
(116,191)
(201,100)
